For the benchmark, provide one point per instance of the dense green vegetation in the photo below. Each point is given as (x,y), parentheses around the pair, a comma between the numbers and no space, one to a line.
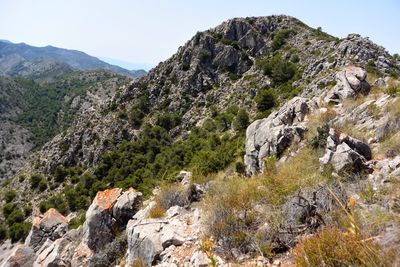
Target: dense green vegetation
(153,158)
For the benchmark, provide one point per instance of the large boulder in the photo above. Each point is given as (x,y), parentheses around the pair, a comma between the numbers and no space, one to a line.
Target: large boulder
(346,154)
(100,225)
(51,226)
(349,82)
(272,135)
(110,211)
(150,239)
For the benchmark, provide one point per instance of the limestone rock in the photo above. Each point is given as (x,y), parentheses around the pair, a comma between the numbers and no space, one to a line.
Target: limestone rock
(349,82)
(23,256)
(272,135)
(346,154)
(127,205)
(100,225)
(52,226)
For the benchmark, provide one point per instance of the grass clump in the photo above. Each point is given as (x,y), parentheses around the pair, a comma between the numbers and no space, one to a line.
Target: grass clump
(173,195)
(230,214)
(157,211)
(333,247)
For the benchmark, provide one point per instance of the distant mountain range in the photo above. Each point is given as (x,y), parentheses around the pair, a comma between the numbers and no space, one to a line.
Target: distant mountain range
(22,59)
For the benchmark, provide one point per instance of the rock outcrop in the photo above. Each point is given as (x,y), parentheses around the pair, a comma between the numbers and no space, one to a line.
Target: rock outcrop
(52,226)
(156,241)
(349,82)
(272,135)
(346,154)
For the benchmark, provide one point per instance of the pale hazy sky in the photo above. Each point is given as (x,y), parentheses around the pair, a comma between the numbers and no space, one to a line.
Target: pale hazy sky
(150,31)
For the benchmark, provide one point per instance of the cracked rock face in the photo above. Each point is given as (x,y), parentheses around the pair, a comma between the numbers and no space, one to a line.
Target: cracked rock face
(346,154)
(155,241)
(349,82)
(272,135)
(52,226)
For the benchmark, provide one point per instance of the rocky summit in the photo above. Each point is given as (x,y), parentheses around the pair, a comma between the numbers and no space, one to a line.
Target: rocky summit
(260,142)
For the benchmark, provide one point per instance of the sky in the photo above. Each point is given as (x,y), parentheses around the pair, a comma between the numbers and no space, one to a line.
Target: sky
(140,34)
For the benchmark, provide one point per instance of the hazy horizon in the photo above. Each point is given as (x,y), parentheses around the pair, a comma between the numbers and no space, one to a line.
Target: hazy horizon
(141,34)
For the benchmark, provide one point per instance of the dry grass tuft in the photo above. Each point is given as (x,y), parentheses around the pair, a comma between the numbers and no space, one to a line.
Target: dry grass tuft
(332,247)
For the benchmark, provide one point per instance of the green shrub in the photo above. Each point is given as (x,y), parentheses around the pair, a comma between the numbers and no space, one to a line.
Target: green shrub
(79,220)
(19,231)
(240,167)
(204,55)
(393,90)
(57,202)
(8,208)
(319,140)
(16,216)
(265,100)
(3,232)
(278,69)
(60,173)
(9,196)
(241,121)
(35,179)
(42,185)
(295,58)
(168,120)
(280,38)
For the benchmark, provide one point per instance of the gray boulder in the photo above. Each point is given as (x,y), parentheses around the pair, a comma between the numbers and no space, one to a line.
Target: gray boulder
(272,135)
(349,82)
(144,241)
(346,154)
(100,225)
(52,226)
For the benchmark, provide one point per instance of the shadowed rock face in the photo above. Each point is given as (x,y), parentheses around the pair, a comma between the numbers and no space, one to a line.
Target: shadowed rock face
(52,226)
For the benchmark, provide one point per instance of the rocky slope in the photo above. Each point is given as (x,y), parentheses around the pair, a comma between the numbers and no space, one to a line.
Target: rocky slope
(324,160)
(31,113)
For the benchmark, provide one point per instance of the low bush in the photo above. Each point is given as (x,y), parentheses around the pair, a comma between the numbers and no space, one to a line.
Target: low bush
(280,38)
(319,140)
(278,69)
(79,220)
(111,253)
(172,195)
(9,196)
(157,211)
(230,214)
(393,90)
(3,232)
(265,100)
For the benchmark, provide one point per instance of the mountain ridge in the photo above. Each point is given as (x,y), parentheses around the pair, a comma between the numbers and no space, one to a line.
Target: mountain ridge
(14,55)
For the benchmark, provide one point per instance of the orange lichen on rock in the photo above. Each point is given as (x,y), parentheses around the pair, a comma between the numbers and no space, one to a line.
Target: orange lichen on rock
(107,198)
